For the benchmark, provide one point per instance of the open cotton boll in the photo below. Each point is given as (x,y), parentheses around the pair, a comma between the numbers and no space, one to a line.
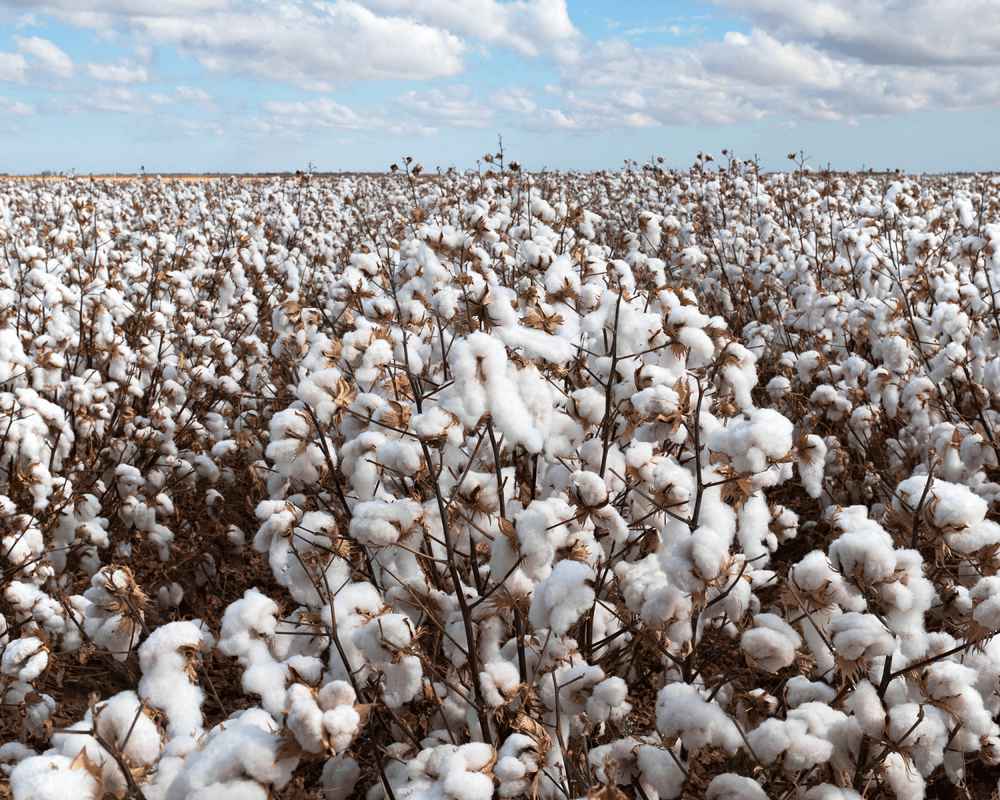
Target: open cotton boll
(324,720)
(799,690)
(730,786)
(607,700)
(340,775)
(11,754)
(247,625)
(114,616)
(24,659)
(52,777)
(811,464)
(752,443)
(682,712)
(827,791)
(168,660)
(864,703)
(771,644)
(236,756)
(985,596)
(121,722)
(857,638)
(790,740)
(563,597)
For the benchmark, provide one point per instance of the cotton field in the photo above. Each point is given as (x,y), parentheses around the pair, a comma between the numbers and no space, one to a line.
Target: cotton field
(638,484)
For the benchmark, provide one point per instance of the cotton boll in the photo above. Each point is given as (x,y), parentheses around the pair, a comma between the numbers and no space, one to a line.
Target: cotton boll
(246,626)
(799,690)
(790,740)
(827,791)
(771,644)
(864,703)
(563,597)
(607,700)
(168,662)
(681,711)
(985,597)
(858,638)
(752,443)
(235,756)
(729,786)
(340,775)
(811,463)
(116,610)
(51,777)
(326,720)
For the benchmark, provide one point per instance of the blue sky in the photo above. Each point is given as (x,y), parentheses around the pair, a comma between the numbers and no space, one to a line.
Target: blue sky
(239,85)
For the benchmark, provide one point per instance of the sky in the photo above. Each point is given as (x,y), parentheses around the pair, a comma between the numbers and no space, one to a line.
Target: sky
(249,85)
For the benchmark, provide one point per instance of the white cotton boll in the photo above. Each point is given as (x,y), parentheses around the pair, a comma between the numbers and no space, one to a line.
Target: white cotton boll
(811,464)
(860,637)
(771,644)
(682,711)
(660,773)
(607,700)
(51,777)
(799,690)
(246,626)
(113,618)
(951,687)
(233,756)
(778,387)
(24,659)
(790,740)
(499,681)
(340,775)
(563,597)
(985,596)
(754,530)
(468,785)
(729,786)
(752,443)
(905,782)
(926,734)
(170,595)
(864,703)
(827,791)
(168,659)
(11,754)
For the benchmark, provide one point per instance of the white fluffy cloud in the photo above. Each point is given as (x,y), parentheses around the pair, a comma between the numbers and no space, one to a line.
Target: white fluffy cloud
(455,107)
(15,108)
(834,60)
(530,27)
(901,32)
(48,56)
(296,118)
(118,73)
(13,67)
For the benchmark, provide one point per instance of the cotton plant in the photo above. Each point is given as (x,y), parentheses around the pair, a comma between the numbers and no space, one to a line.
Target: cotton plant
(658,482)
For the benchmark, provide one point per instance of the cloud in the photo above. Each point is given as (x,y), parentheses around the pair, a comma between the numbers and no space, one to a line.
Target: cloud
(529,27)
(15,108)
(192,94)
(453,107)
(886,32)
(515,100)
(751,76)
(313,45)
(118,73)
(13,67)
(47,55)
(117,100)
(296,118)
